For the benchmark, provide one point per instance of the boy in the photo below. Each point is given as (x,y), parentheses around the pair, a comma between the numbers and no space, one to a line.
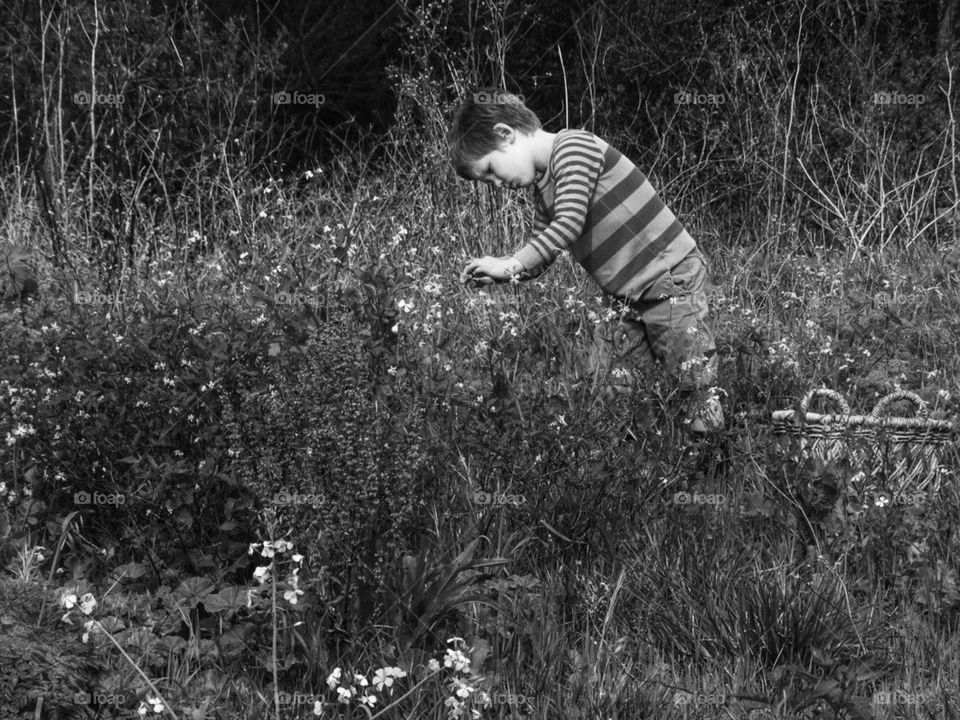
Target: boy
(594,202)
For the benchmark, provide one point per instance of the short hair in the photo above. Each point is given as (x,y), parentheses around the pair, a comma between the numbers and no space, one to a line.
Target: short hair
(471,134)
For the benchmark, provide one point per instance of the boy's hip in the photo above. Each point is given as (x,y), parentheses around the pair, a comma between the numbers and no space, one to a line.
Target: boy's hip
(683,283)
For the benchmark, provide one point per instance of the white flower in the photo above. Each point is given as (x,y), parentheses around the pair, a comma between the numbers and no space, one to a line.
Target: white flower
(87,603)
(344,695)
(261,574)
(384,676)
(68,600)
(282,545)
(333,679)
(291,595)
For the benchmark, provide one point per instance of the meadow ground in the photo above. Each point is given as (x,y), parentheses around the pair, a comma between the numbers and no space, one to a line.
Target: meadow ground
(207,398)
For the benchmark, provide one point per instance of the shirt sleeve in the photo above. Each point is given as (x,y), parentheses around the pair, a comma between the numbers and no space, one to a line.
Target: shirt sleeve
(578,162)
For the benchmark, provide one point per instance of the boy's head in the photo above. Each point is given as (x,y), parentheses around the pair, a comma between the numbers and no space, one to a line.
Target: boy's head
(489,138)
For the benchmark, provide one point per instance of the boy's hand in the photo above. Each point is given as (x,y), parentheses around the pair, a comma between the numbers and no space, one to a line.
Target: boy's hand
(488,270)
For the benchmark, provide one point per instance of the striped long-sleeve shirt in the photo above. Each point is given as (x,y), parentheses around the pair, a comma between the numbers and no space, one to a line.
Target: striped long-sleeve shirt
(595,203)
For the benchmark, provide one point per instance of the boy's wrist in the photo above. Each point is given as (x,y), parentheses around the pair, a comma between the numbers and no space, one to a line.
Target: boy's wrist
(514,266)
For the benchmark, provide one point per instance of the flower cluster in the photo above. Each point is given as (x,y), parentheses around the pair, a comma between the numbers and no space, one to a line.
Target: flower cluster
(460,685)
(269,549)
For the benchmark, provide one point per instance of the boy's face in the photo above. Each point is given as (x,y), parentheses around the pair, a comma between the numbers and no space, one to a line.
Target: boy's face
(511,165)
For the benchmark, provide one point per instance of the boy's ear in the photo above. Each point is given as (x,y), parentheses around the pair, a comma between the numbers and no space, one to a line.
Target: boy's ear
(504,132)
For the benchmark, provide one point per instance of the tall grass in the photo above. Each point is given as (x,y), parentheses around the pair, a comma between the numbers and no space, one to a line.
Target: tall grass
(831,244)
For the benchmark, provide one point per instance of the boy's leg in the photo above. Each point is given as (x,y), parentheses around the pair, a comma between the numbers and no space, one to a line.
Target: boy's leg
(616,350)
(680,337)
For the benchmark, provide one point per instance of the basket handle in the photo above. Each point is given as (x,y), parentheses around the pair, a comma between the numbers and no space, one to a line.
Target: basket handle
(826,392)
(881,407)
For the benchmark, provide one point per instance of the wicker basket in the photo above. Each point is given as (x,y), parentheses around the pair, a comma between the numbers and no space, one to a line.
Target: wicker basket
(892,453)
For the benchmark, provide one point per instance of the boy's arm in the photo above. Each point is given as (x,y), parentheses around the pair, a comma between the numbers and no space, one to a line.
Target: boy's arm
(578,164)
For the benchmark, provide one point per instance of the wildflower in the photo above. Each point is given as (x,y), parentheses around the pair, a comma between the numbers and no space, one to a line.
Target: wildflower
(360,680)
(456,659)
(68,601)
(87,603)
(433,665)
(405,305)
(318,708)
(291,595)
(384,677)
(152,703)
(89,627)
(368,700)
(333,679)
(463,690)
(344,695)
(262,574)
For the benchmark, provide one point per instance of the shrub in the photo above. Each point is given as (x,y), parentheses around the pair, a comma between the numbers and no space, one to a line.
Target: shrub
(347,475)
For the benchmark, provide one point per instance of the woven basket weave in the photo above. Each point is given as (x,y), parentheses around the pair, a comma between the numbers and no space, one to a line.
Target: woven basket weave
(892,453)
